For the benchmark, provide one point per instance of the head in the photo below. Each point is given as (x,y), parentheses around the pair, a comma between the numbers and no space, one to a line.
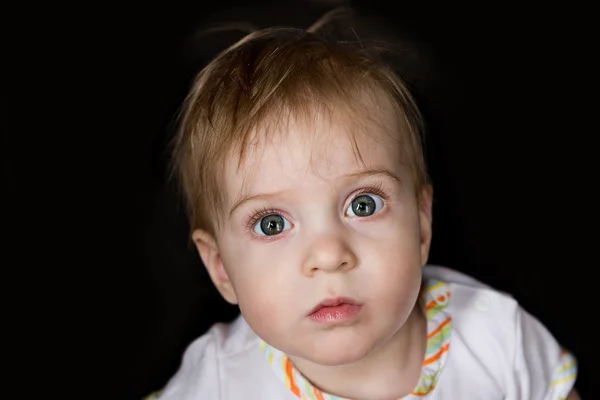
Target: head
(301,164)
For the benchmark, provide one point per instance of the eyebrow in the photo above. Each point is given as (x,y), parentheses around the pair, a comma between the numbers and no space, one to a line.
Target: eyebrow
(356,175)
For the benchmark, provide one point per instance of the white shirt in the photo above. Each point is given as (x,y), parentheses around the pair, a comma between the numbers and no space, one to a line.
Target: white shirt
(481,345)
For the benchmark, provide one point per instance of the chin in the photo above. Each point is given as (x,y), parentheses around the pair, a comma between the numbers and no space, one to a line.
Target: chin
(339,352)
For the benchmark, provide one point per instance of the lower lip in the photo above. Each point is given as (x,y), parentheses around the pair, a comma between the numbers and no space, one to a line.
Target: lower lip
(336,314)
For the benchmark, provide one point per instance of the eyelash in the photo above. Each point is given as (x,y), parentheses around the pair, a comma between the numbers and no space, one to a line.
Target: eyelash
(377,190)
(260,213)
(257,215)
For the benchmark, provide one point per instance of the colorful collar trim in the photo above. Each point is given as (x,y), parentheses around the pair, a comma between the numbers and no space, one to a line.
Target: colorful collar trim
(434,299)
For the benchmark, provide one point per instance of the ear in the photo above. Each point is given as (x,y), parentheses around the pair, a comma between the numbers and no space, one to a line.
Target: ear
(425,216)
(209,253)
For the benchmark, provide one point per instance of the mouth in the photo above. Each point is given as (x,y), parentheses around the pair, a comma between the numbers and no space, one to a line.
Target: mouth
(339,309)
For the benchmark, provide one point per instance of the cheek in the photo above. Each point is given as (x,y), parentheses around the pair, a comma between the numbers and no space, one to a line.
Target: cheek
(393,287)
(394,238)
(394,257)
(401,285)
(264,309)
(396,270)
(400,219)
(260,287)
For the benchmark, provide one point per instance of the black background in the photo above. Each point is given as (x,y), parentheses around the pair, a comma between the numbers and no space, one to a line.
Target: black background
(111,286)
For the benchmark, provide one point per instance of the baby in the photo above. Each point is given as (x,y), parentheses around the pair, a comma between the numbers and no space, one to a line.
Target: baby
(301,163)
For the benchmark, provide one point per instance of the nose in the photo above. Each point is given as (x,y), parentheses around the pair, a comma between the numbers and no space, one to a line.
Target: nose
(328,254)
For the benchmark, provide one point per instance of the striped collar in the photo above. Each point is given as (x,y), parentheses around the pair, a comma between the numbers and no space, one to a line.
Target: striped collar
(434,299)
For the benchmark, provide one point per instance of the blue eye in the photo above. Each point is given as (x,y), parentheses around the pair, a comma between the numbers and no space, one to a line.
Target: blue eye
(365,205)
(271,225)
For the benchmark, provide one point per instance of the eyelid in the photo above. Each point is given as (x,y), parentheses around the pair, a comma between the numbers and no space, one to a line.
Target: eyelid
(376,190)
(287,225)
(260,213)
(379,204)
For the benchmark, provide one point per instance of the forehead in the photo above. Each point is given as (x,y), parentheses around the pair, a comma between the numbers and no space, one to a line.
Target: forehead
(315,149)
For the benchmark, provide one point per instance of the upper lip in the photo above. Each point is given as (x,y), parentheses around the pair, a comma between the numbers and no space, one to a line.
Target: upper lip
(333,302)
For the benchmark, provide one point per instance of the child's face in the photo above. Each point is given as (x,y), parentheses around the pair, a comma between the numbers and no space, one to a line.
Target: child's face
(334,228)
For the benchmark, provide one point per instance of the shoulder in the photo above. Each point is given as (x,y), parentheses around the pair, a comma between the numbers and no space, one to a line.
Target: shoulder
(493,332)
(205,362)
(226,353)
(474,306)
(469,297)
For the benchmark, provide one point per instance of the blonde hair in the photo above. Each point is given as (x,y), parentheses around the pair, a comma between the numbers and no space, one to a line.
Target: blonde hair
(266,78)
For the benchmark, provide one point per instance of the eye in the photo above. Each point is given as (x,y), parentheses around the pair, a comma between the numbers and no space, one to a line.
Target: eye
(271,225)
(365,205)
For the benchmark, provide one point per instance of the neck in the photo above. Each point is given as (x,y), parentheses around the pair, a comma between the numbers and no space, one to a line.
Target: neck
(390,372)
